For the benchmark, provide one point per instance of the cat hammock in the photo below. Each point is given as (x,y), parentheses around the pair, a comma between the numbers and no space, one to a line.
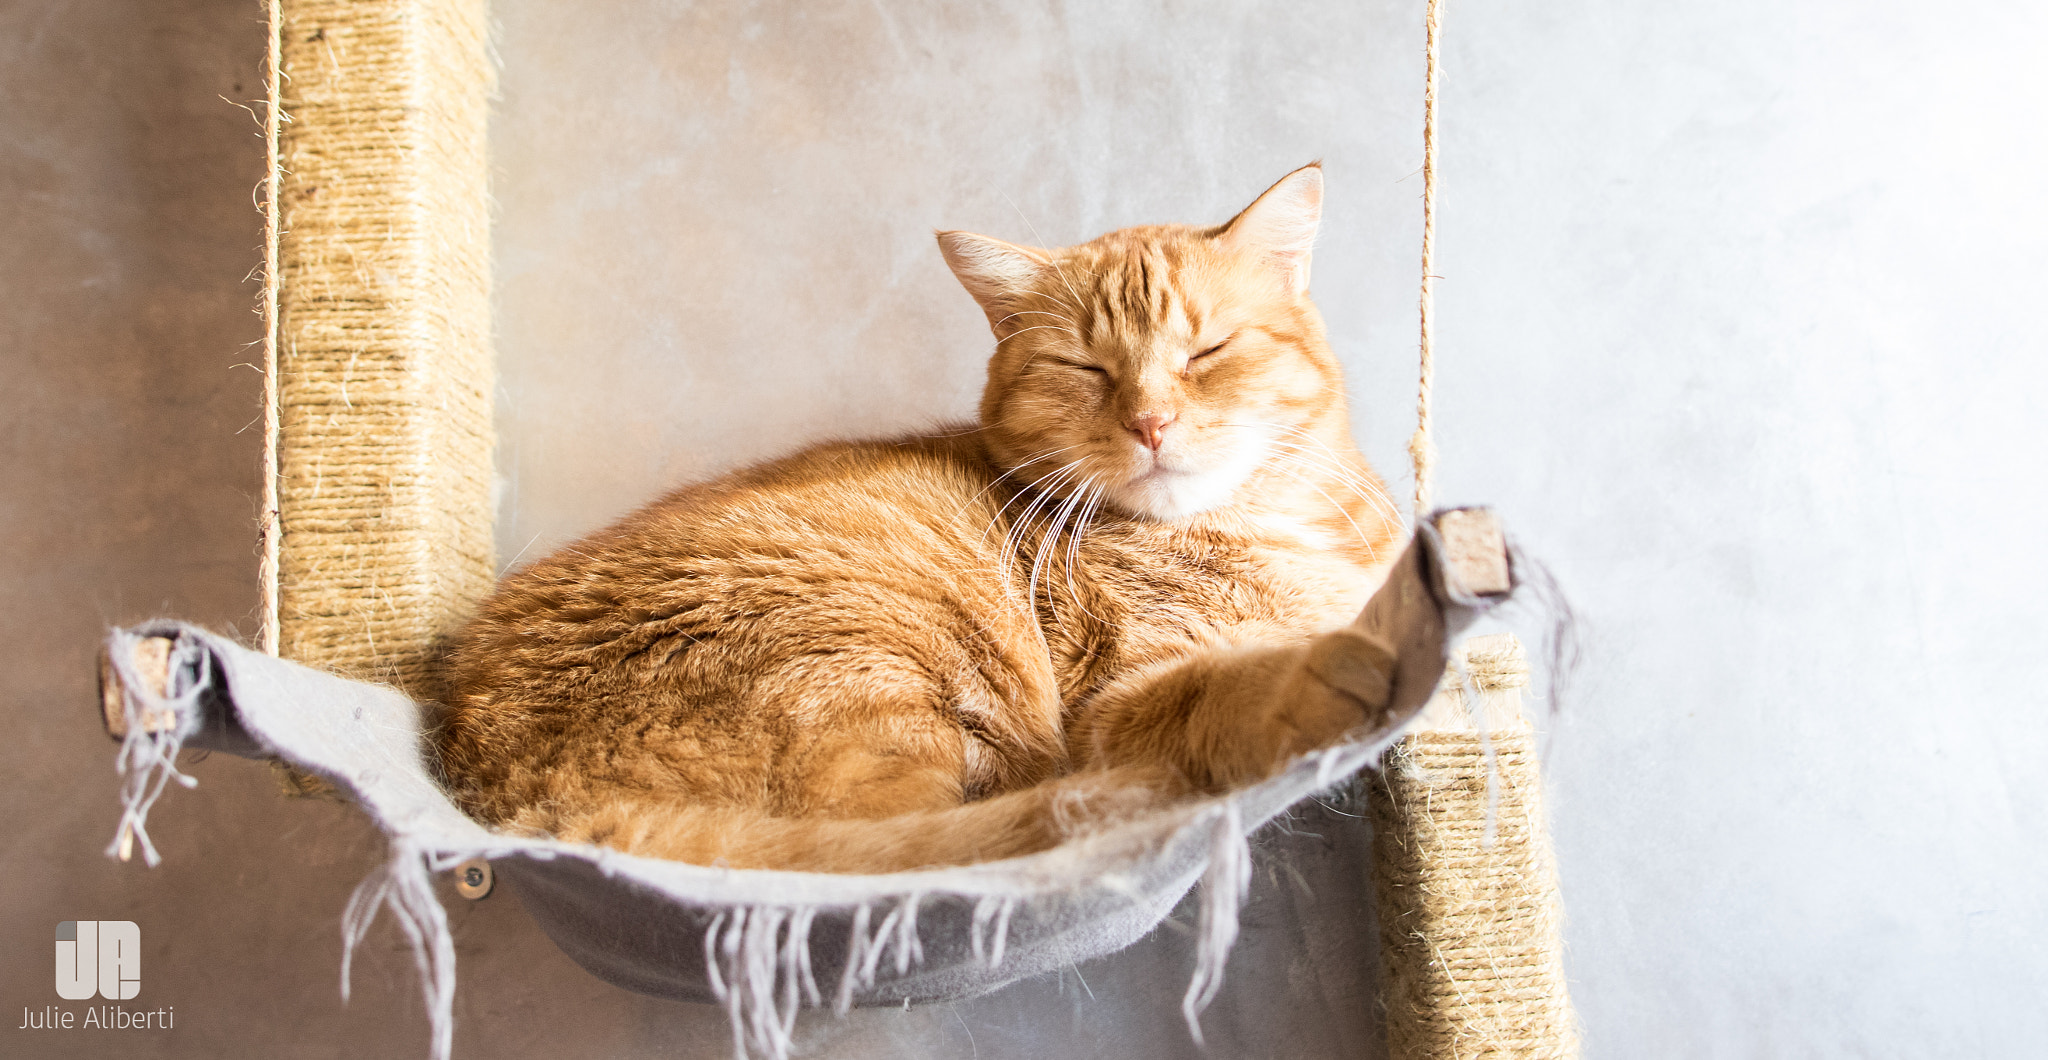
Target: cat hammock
(377,528)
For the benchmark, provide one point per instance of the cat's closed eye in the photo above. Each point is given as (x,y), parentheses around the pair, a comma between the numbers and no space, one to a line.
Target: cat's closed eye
(1210,350)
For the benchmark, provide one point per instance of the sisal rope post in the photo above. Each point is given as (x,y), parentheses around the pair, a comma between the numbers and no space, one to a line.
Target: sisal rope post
(377,516)
(1463,876)
(1466,891)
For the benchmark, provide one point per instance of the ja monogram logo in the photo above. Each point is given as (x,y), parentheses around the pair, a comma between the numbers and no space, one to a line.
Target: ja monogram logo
(101,957)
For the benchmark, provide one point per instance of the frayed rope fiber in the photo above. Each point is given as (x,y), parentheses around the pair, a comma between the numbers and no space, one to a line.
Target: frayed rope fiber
(384,367)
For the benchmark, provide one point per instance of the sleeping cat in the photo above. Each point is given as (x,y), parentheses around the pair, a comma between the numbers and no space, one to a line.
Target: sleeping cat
(1130,582)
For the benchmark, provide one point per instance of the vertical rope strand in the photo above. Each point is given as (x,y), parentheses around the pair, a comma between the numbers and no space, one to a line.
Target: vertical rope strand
(267,521)
(1422,447)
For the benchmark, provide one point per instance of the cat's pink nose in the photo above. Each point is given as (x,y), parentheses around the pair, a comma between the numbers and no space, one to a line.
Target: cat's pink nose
(1151,428)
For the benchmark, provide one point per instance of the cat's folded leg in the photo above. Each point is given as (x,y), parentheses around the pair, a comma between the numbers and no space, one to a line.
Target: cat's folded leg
(1235,712)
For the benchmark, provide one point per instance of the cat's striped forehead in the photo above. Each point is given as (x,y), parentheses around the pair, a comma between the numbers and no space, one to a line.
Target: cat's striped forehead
(1131,284)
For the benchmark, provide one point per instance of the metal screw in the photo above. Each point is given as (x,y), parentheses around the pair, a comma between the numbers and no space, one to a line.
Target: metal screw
(473,879)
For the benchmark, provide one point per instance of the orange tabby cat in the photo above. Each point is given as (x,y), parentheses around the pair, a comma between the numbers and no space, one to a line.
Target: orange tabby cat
(869,655)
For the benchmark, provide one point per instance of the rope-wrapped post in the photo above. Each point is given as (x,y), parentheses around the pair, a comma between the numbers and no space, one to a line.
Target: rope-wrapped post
(1464,880)
(380,279)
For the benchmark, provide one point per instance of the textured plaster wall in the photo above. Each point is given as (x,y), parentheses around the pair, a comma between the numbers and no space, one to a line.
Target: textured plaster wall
(1741,325)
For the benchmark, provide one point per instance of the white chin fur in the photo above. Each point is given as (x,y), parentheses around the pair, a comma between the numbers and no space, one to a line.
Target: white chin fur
(1179,494)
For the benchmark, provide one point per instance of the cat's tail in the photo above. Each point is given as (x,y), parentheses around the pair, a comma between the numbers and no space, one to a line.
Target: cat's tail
(1008,825)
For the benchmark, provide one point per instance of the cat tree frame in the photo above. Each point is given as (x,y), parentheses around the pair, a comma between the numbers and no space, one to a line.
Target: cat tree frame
(377,521)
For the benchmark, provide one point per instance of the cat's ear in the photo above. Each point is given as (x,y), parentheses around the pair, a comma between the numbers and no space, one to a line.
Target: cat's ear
(993,271)
(1280,225)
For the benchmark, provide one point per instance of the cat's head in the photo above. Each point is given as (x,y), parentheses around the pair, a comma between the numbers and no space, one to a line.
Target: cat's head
(1162,364)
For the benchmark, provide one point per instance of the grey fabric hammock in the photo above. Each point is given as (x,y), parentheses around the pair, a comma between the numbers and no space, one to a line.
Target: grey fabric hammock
(761,943)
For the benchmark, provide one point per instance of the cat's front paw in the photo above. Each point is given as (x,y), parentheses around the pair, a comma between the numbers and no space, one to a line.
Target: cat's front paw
(1359,667)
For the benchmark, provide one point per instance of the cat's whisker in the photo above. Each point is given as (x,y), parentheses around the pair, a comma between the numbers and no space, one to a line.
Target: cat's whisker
(999,478)
(1091,490)
(1050,543)
(1288,470)
(1333,463)
(1038,327)
(938,430)
(1079,302)
(1074,548)
(1078,307)
(1035,312)
(1080,527)
(1363,488)
(1047,490)
(1280,441)
(1034,458)
(1013,532)
(1307,459)
(1058,268)
(1074,307)
(1374,493)
(1056,509)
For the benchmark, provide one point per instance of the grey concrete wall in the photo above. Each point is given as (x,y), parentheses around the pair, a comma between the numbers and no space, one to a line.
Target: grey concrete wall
(1741,326)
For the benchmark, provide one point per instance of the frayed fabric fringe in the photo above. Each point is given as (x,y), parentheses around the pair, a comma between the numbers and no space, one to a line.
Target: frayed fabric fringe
(1225,881)
(404,884)
(758,959)
(148,759)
